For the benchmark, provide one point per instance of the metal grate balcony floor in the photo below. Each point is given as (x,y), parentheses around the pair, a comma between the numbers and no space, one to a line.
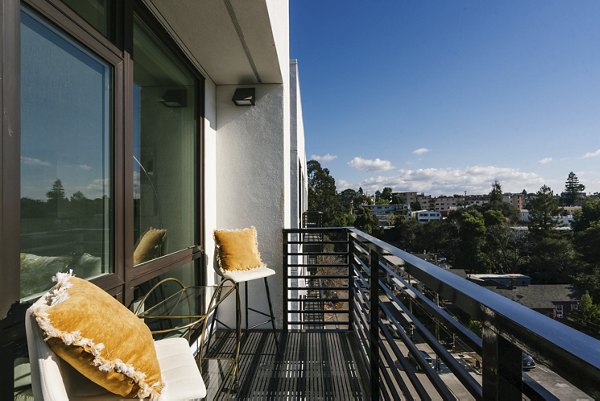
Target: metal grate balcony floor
(307,366)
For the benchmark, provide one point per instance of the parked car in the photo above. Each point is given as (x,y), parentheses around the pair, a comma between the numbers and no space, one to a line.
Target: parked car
(425,356)
(528,362)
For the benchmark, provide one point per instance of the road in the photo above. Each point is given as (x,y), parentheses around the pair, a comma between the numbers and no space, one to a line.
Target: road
(557,385)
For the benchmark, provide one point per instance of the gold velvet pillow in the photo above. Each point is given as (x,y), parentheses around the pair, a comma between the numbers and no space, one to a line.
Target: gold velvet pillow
(99,337)
(149,245)
(238,249)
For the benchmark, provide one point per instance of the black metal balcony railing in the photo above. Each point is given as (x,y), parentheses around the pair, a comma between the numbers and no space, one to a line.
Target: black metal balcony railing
(422,310)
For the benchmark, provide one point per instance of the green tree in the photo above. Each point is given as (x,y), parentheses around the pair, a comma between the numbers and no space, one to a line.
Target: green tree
(543,210)
(552,258)
(78,196)
(496,202)
(472,238)
(573,190)
(586,231)
(322,195)
(414,206)
(348,199)
(496,196)
(386,194)
(590,212)
(366,222)
(57,192)
(587,315)
(56,200)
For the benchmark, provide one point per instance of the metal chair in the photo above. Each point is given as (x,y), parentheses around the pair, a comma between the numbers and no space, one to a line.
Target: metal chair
(244,276)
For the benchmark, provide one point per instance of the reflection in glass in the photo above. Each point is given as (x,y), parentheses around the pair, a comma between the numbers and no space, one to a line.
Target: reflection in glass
(95,12)
(66,204)
(165,130)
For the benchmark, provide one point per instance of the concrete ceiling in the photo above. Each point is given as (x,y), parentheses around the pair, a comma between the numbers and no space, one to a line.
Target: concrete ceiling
(230,40)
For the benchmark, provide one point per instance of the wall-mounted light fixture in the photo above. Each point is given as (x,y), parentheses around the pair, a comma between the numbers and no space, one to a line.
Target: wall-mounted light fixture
(244,97)
(174,98)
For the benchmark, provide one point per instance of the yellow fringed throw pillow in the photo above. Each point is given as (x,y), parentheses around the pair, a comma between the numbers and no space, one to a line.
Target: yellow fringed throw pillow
(238,249)
(100,338)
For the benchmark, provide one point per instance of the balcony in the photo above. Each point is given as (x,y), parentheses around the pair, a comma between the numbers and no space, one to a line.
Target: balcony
(419,348)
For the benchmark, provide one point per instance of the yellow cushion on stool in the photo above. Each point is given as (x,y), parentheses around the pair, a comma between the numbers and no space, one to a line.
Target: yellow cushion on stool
(238,249)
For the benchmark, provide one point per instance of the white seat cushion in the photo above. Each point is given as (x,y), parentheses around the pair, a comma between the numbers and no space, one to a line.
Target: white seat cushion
(179,370)
(54,380)
(239,276)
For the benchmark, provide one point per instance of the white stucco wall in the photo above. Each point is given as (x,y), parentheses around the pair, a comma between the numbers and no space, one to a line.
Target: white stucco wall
(250,178)
(210,176)
(298,170)
(280,22)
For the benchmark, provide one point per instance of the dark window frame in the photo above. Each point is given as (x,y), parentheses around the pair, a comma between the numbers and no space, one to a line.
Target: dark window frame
(116,49)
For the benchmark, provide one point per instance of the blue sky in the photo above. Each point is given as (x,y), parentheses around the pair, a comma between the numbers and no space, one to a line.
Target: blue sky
(444,97)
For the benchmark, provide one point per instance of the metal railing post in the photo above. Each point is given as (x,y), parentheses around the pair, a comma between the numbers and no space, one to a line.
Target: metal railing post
(374,324)
(502,364)
(285,320)
(350,281)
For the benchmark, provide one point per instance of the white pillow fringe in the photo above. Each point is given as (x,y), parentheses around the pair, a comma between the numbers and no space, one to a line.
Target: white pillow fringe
(59,294)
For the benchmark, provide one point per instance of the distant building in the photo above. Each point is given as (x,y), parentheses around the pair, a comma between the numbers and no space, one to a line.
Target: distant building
(406,197)
(516,200)
(445,204)
(501,280)
(554,300)
(564,220)
(425,216)
(386,213)
(426,201)
(476,200)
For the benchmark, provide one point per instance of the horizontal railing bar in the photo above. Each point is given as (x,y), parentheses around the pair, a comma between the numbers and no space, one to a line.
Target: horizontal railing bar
(309,277)
(309,330)
(317,265)
(324,323)
(564,349)
(320,311)
(319,288)
(311,230)
(535,391)
(464,333)
(402,360)
(397,378)
(461,374)
(570,353)
(306,242)
(344,254)
(318,300)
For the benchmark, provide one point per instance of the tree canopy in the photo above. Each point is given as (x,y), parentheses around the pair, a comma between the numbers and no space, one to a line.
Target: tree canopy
(573,189)
(322,194)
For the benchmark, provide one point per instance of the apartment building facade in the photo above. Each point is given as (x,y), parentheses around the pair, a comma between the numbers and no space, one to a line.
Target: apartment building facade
(129,119)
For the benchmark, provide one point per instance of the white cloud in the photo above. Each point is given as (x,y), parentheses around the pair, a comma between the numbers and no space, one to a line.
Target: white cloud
(370,165)
(85,167)
(340,185)
(420,151)
(545,160)
(30,161)
(448,181)
(97,188)
(595,153)
(324,158)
